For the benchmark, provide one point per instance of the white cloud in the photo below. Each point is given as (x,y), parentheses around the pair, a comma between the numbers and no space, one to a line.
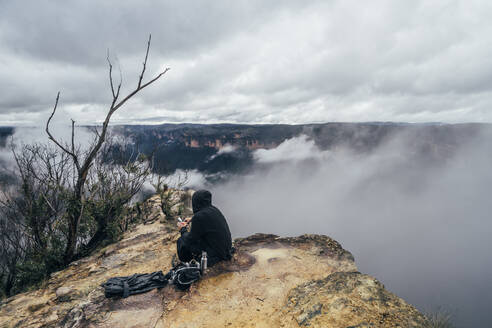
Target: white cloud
(226,149)
(295,149)
(181,179)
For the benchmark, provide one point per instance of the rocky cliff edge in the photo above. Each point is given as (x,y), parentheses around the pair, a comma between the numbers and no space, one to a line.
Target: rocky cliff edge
(305,281)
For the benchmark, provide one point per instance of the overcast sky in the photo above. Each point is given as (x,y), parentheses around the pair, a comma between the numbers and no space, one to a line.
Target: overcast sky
(250,61)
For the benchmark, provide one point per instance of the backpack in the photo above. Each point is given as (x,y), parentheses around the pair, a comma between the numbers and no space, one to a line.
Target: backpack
(181,275)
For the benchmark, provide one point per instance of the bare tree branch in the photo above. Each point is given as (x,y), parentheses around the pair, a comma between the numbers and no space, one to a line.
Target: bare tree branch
(116,93)
(114,107)
(74,156)
(73,137)
(48,202)
(96,130)
(111,75)
(145,62)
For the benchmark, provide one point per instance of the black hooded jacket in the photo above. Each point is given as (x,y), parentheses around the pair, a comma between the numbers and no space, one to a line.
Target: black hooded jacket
(209,231)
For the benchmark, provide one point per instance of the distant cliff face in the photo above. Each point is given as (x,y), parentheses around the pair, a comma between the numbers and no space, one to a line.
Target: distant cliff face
(214,136)
(305,281)
(218,143)
(359,136)
(192,146)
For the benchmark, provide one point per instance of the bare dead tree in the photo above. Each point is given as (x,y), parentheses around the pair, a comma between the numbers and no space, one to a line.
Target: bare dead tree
(84,163)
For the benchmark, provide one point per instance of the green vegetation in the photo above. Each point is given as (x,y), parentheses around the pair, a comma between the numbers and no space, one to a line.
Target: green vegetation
(439,319)
(35,219)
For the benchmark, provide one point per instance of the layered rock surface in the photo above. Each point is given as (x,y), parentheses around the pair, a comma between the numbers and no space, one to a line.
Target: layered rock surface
(305,281)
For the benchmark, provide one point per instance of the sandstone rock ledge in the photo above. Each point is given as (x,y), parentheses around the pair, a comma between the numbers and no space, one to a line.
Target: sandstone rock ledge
(306,281)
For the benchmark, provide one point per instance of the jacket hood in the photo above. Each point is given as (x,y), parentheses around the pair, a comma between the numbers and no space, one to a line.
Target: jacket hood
(200,200)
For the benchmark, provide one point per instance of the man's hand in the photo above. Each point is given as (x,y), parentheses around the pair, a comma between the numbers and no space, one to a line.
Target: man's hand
(184,223)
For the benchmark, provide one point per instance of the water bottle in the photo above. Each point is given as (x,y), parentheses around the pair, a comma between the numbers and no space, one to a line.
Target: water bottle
(203,262)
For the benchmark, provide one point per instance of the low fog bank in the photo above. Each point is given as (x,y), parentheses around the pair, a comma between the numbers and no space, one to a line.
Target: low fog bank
(422,228)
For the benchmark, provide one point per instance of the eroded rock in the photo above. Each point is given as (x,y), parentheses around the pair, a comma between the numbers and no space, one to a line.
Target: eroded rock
(348,299)
(271,281)
(63,294)
(36,306)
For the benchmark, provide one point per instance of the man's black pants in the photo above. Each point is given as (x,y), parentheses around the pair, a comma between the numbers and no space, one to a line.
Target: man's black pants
(184,253)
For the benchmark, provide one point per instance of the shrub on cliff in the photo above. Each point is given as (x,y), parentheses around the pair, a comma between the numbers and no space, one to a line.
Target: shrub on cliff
(35,211)
(439,319)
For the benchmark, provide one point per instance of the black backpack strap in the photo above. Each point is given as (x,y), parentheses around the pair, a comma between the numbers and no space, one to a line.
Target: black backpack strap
(126,289)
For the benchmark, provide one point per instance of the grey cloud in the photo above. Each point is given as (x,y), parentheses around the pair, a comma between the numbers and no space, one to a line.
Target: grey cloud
(254,61)
(80,32)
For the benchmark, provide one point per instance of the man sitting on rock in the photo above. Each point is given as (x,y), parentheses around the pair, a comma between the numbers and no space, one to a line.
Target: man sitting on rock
(209,232)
